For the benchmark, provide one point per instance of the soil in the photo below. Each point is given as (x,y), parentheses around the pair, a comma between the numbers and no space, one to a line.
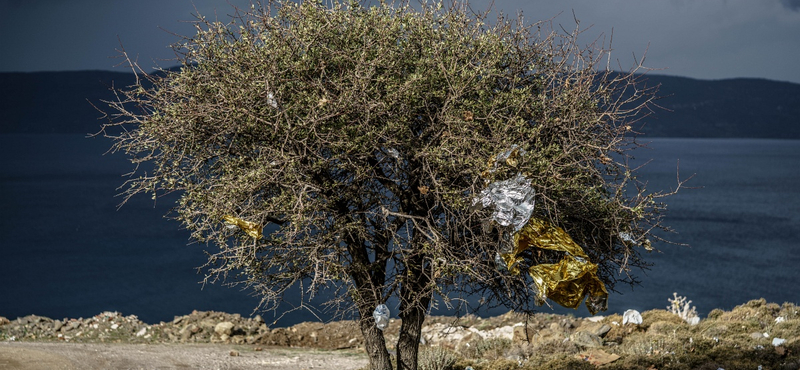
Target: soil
(91,356)
(754,335)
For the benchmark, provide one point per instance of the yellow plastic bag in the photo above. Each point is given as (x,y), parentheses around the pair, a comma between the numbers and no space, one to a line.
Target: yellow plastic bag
(251,228)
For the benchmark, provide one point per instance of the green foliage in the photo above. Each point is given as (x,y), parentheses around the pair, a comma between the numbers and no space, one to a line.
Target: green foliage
(358,135)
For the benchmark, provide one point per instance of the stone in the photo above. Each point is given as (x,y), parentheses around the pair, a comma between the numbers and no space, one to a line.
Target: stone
(4,321)
(71,326)
(234,353)
(599,357)
(57,325)
(602,330)
(520,334)
(224,328)
(187,331)
(586,339)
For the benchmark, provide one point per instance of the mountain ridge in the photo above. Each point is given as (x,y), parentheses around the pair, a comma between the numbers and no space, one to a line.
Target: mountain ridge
(62,102)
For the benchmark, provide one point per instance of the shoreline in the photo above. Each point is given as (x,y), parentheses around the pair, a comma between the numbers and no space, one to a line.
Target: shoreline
(754,333)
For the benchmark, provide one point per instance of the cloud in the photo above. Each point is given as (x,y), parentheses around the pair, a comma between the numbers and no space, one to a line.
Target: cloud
(791,4)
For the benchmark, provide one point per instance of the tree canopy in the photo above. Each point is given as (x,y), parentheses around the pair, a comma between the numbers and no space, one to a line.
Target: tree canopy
(362,138)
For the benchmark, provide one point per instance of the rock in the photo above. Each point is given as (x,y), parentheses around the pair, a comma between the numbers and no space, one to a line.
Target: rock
(224,328)
(141,332)
(586,339)
(258,319)
(602,330)
(71,326)
(520,334)
(234,353)
(599,357)
(57,325)
(187,331)
(597,328)
(4,321)
(536,337)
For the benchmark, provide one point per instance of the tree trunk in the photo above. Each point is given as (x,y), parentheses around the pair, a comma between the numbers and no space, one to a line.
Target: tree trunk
(375,345)
(415,297)
(410,332)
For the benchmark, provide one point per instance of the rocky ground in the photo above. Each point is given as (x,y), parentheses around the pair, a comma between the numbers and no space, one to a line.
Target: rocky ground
(751,336)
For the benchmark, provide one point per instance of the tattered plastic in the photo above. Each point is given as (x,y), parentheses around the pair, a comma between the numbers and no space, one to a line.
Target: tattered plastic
(566,282)
(499,262)
(271,100)
(381,316)
(513,201)
(509,157)
(393,153)
(251,228)
(628,238)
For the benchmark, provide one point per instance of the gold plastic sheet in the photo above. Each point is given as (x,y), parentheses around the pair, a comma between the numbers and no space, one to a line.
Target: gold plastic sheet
(251,228)
(566,282)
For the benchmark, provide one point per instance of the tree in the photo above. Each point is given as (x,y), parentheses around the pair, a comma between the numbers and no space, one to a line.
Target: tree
(364,138)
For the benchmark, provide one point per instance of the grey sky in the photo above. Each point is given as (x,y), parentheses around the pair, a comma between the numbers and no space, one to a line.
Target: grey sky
(709,39)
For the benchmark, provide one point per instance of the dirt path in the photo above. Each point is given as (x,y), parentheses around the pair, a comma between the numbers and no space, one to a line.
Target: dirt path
(77,356)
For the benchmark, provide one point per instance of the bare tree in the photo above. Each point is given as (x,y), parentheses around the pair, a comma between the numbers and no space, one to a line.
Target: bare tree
(363,138)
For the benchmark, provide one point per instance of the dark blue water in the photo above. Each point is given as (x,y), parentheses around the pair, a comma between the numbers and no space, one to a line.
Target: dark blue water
(67,251)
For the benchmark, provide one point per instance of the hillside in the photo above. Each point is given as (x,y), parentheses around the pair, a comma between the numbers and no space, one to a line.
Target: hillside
(59,102)
(742,107)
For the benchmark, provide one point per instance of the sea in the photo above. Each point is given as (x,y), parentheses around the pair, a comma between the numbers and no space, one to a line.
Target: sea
(67,248)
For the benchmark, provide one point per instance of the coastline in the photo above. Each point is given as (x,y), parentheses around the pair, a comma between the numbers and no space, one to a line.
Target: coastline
(756,333)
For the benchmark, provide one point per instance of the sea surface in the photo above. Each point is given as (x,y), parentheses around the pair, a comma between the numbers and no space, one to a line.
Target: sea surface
(68,250)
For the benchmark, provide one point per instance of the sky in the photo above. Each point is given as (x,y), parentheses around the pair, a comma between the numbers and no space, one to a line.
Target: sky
(705,39)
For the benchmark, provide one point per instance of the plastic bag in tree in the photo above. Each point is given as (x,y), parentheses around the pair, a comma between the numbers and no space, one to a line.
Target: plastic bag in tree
(513,201)
(509,157)
(381,316)
(251,228)
(566,282)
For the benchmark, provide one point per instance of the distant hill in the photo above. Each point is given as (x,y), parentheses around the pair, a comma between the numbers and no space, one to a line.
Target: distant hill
(58,102)
(740,107)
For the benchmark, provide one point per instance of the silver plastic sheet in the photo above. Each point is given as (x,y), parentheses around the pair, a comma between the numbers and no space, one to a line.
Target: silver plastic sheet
(513,201)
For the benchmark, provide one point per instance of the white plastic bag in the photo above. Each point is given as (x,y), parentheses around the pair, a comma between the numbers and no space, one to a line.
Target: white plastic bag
(381,315)
(632,316)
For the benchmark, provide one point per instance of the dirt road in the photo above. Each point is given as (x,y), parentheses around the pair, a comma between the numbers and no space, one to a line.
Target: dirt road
(78,356)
